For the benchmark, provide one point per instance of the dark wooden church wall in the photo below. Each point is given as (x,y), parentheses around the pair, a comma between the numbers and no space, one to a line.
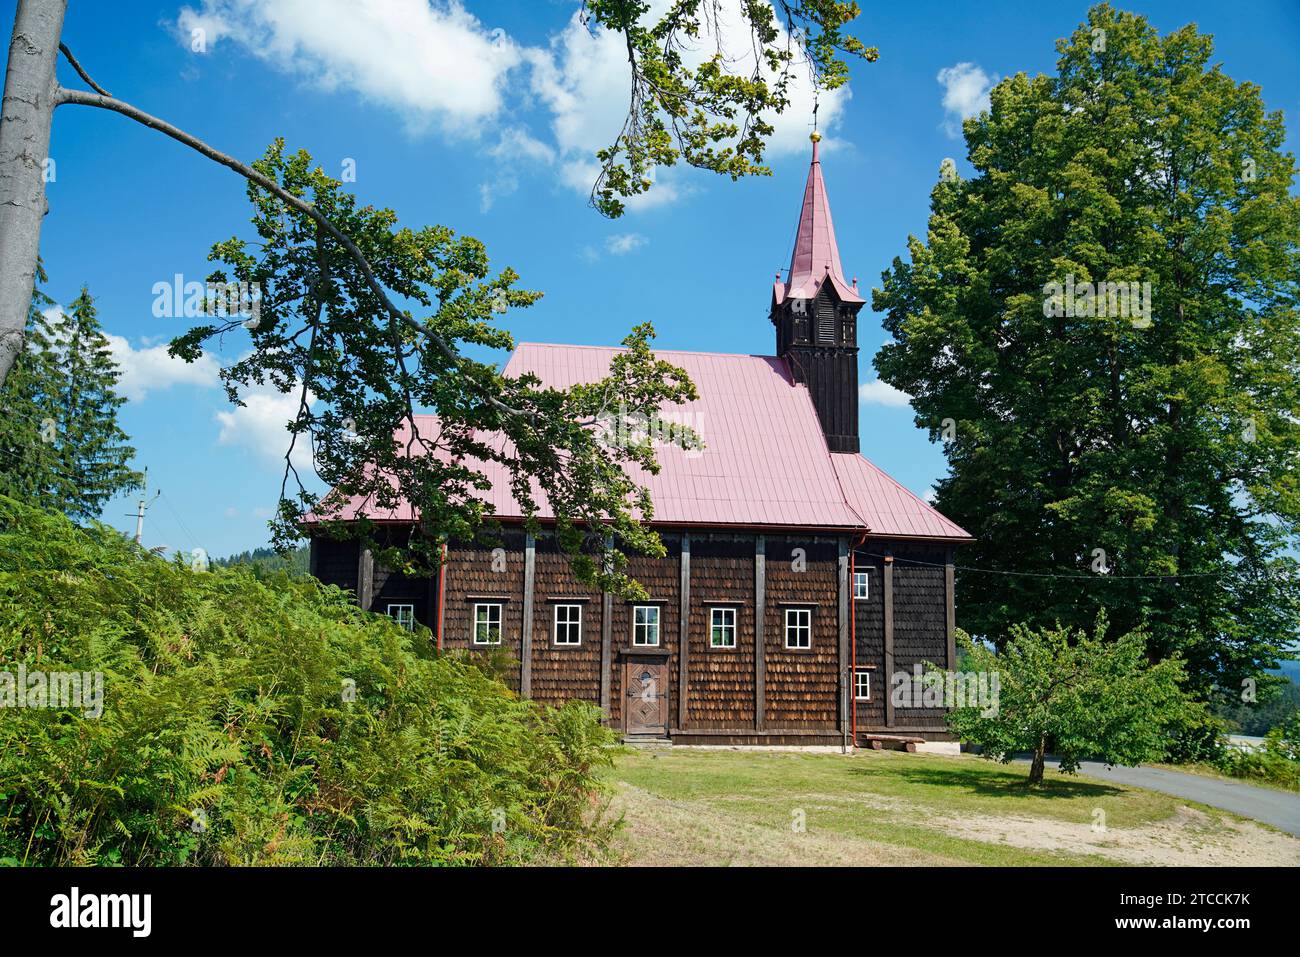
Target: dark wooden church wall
(721,689)
(389,587)
(561,672)
(869,614)
(470,574)
(802,687)
(661,578)
(920,620)
(335,562)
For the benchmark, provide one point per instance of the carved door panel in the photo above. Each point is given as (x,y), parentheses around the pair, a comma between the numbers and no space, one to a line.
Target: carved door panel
(646,688)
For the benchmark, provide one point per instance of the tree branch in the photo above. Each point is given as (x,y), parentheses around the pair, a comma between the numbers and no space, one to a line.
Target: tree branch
(104,102)
(63,48)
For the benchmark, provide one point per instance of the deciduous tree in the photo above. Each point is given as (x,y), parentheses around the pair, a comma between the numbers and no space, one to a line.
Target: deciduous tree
(1075,695)
(1135,447)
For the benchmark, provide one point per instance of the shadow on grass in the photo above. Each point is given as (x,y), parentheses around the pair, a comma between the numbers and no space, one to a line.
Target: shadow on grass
(994,782)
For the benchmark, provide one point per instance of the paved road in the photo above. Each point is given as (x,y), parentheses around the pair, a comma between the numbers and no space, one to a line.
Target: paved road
(1279,808)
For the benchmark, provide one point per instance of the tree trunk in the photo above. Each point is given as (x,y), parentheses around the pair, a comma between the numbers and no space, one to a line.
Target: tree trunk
(29,100)
(1040,761)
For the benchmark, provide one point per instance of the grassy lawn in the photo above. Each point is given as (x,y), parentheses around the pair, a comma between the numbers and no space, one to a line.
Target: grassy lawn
(704,807)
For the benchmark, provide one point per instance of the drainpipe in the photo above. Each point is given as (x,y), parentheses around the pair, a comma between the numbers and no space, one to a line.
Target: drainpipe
(853,636)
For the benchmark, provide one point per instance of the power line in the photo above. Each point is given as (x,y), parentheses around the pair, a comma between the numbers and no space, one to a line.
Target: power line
(1075,577)
(179,521)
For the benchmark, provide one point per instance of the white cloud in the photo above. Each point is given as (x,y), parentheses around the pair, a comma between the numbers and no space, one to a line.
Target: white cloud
(929,495)
(260,427)
(965,93)
(150,368)
(429,61)
(622,243)
(619,244)
(515,148)
(436,64)
(876,392)
(584,80)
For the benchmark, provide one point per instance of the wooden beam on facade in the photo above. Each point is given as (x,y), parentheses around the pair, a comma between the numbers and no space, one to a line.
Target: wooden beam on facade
(526,630)
(606,648)
(845,684)
(888,682)
(684,633)
(760,615)
(950,595)
(365,579)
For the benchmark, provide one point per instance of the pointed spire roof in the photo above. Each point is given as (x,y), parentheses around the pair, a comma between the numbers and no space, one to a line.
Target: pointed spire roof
(816,256)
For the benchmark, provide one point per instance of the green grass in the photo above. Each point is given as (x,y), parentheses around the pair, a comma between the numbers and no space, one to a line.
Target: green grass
(1210,771)
(895,807)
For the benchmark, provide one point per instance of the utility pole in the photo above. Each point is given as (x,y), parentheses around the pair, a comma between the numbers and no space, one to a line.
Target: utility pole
(141,505)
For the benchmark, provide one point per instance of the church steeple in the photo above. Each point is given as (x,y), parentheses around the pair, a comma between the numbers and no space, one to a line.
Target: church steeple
(815,312)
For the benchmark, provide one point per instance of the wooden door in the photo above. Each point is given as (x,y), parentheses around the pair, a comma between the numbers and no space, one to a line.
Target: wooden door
(645,686)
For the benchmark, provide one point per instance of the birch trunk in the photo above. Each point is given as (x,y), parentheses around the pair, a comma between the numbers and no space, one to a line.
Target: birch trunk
(28,107)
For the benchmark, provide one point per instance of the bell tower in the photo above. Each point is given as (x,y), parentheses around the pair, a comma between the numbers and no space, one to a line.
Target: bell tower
(815,312)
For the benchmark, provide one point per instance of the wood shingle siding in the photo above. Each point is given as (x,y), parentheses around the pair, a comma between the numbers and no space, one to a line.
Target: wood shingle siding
(335,562)
(920,622)
(721,680)
(921,627)
(870,637)
(560,672)
(472,578)
(802,686)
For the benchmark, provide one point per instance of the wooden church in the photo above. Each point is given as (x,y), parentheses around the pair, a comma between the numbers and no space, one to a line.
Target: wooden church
(799,576)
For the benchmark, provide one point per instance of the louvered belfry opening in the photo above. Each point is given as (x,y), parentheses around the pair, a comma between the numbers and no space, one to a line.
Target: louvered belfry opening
(814,310)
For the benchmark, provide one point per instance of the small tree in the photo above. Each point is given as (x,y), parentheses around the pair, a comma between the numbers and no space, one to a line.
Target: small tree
(1077,695)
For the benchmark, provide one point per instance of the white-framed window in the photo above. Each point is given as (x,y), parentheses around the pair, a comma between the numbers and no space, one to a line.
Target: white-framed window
(862,684)
(798,628)
(645,625)
(722,628)
(403,614)
(861,585)
(487,623)
(568,624)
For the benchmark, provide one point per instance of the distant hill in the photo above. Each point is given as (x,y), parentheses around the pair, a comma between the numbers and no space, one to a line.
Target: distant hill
(296,563)
(1291,669)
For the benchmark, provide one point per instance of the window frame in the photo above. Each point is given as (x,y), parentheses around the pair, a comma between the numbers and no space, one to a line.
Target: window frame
(733,626)
(657,623)
(865,579)
(388,610)
(857,675)
(500,623)
(569,624)
(794,628)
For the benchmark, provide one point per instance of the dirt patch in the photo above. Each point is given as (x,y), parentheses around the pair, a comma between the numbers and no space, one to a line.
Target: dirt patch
(1190,837)
(663,833)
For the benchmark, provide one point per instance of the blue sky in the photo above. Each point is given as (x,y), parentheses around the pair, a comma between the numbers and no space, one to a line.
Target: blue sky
(483,118)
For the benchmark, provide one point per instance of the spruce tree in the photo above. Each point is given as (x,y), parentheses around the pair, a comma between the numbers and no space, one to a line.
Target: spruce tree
(29,459)
(61,445)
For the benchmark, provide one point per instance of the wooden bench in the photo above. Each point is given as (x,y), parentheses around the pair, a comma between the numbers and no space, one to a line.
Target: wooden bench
(896,742)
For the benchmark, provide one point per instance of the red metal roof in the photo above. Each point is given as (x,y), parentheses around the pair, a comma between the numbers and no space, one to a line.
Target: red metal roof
(764,463)
(886,507)
(816,256)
